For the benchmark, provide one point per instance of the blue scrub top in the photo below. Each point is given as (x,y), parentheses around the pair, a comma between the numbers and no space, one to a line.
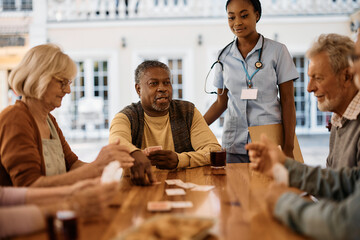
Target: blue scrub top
(278,67)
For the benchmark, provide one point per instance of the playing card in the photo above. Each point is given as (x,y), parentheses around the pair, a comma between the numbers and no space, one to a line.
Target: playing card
(118,174)
(148,150)
(159,206)
(181,204)
(173,181)
(175,191)
(187,185)
(112,172)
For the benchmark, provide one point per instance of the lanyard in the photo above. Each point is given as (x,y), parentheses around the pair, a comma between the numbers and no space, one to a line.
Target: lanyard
(258,65)
(248,77)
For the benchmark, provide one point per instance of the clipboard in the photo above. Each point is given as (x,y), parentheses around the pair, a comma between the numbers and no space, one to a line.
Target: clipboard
(275,133)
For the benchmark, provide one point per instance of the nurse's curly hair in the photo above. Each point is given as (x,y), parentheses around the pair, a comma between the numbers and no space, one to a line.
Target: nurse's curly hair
(338,48)
(255,3)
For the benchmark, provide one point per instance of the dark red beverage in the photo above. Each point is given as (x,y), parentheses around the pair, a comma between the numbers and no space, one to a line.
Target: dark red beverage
(69,225)
(218,159)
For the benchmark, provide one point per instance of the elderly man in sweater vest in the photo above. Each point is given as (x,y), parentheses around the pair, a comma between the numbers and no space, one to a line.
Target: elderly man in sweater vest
(161,131)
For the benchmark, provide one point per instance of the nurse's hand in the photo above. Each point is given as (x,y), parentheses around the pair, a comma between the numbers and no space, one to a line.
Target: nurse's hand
(164,159)
(289,152)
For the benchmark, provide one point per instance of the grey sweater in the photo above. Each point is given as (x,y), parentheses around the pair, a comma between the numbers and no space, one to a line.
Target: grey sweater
(345,145)
(335,216)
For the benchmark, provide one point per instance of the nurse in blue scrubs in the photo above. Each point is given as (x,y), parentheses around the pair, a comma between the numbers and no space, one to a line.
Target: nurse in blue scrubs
(250,74)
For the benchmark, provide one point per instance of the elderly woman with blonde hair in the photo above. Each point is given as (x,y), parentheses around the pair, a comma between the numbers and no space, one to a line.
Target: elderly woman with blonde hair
(33,150)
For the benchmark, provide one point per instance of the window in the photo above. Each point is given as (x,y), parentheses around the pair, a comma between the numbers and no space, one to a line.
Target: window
(175,66)
(12,40)
(101,87)
(14,5)
(9,5)
(26,5)
(77,92)
(300,95)
(89,100)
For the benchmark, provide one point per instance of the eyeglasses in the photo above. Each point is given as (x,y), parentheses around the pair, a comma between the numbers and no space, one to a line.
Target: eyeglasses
(64,82)
(353,58)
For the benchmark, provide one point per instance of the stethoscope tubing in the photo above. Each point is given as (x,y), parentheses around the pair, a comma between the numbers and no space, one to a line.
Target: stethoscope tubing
(258,64)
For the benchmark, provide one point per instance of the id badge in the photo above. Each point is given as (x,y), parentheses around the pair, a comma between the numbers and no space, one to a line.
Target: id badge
(249,93)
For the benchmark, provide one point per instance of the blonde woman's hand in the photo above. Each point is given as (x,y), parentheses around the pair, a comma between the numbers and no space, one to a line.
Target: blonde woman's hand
(114,152)
(83,184)
(91,202)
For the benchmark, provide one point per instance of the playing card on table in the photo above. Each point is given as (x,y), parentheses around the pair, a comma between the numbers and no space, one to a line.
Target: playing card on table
(173,181)
(159,206)
(187,185)
(181,204)
(175,191)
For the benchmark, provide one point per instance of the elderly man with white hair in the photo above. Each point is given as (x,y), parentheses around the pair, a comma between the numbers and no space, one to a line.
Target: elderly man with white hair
(336,215)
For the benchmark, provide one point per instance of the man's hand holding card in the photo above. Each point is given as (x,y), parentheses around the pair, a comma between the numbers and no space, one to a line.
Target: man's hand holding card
(148,150)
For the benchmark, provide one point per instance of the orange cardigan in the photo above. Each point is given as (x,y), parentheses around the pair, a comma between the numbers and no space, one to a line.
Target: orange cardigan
(21,154)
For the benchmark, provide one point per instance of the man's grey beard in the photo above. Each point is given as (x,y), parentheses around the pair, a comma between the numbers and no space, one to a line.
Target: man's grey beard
(160,108)
(329,105)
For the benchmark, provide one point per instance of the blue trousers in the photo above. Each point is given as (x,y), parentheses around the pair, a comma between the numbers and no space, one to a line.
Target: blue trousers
(237,158)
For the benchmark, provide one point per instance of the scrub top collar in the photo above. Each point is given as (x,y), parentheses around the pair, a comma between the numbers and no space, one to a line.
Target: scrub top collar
(235,52)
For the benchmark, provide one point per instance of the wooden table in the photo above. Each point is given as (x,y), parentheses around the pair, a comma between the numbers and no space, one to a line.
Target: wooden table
(236,203)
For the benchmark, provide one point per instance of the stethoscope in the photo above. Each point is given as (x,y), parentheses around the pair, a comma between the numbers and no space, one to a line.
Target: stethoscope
(258,64)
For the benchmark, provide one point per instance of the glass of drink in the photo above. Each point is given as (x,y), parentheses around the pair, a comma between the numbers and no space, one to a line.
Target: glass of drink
(68,221)
(218,158)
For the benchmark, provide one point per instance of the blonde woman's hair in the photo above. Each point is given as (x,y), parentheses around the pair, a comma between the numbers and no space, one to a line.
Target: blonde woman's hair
(337,47)
(35,71)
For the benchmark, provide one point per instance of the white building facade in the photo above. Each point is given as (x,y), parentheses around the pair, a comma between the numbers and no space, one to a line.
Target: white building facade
(108,39)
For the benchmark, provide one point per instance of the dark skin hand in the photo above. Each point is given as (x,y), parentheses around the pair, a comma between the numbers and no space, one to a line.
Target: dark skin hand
(164,159)
(141,173)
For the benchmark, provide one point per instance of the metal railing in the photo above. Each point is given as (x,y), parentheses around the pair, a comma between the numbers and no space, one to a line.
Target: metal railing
(309,7)
(80,10)
(15,5)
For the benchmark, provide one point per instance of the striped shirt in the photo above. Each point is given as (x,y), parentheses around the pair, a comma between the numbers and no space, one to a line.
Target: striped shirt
(351,112)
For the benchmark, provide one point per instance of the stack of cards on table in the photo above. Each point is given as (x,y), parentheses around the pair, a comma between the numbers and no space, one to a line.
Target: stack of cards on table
(148,150)
(160,206)
(188,185)
(112,172)
(175,191)
(168,205)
